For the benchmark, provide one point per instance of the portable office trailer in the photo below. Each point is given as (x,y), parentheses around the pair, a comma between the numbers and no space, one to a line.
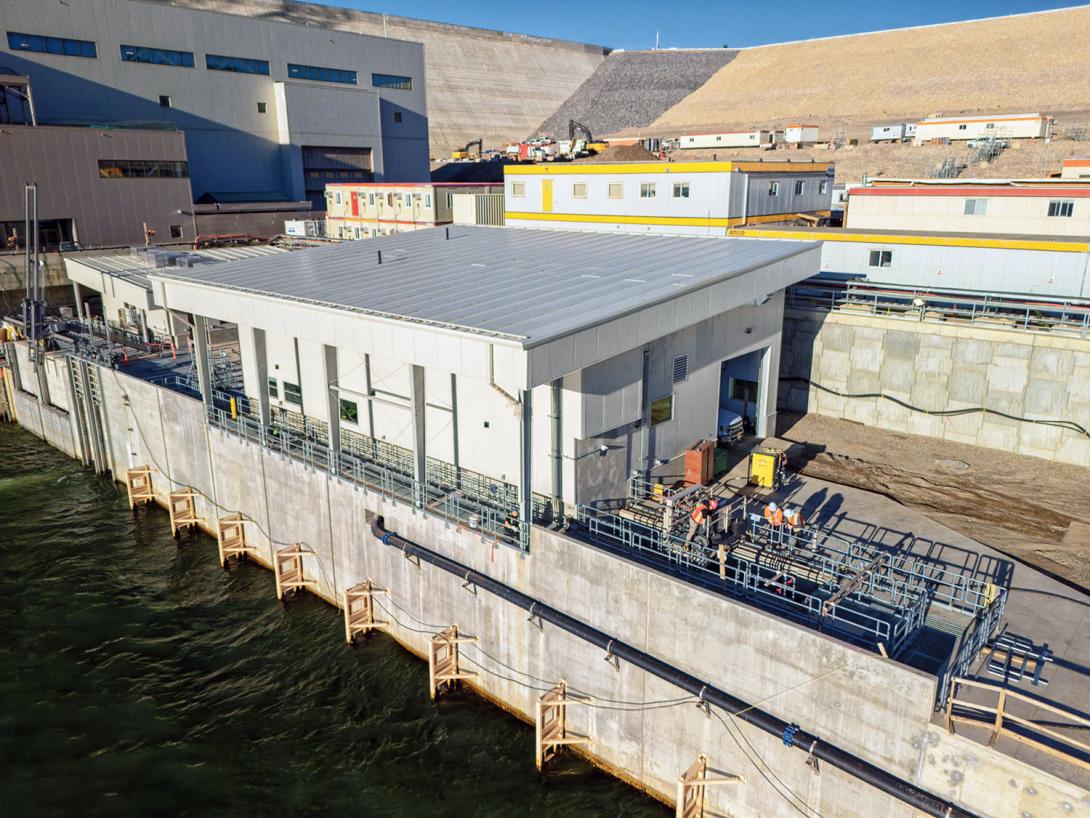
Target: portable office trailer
(893,133)
(800,134)
(729,139)
(1010,126)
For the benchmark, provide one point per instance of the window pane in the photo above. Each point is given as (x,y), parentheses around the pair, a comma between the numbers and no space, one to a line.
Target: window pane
(157,56)
(662,409)
(273,391)
(647,190)
(317,73)
(51,45)
(616,190)
(349,410)
(392,81)
(240,65)
(681,190)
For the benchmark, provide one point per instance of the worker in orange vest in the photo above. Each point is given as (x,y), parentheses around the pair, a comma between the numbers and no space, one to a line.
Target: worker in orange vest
(700,517)
(774,518)
(795,525)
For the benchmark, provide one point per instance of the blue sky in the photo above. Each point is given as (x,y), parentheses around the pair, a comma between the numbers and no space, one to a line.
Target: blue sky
(698,23)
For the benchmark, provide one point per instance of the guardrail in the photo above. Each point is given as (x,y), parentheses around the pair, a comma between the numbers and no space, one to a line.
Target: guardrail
(1041,736)
(1067,319)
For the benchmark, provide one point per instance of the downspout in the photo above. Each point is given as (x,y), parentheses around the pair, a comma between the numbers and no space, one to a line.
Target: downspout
(511,399)
(791,734)
(558,450)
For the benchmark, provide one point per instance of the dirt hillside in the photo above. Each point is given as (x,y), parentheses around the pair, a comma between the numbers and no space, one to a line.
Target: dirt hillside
(1034,62)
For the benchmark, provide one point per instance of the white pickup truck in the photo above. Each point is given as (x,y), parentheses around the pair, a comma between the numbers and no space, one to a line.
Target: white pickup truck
(731,427)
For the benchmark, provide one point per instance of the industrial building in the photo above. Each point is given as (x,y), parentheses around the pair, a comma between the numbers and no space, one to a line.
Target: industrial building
(628,339)
(1006,126)
(798,135)
(1015,207)
(694,198)
(270,111)
(361,211)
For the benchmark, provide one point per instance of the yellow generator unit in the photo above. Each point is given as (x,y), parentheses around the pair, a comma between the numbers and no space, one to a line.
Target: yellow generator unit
(766,468)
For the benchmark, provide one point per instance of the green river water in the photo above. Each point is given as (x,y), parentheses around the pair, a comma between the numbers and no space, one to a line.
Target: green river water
(138,678)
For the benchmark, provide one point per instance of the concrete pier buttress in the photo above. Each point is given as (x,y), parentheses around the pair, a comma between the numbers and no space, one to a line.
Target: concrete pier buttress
(939,367)
(873,707)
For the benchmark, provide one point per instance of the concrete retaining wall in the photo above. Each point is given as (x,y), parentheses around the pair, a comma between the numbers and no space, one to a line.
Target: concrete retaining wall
(875,708)
(941,367)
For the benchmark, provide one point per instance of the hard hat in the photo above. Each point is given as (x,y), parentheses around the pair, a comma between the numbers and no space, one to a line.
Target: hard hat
(790,510)
(772,506)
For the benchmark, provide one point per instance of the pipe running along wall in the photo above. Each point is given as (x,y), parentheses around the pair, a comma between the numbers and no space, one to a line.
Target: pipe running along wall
(791,734)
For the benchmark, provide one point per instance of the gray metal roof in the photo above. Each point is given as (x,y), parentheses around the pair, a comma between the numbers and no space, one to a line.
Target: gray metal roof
(527,285)
(134,267)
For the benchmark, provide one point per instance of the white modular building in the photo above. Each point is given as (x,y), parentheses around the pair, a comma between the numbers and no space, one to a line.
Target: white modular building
(1018,207)
(693,198)
(559,361)
(1003,126)
(730,139)
(800,134)
(1044,266)
(902,132)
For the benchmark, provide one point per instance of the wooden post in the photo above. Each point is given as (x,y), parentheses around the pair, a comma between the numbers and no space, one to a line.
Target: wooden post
(231,534)
(998,726)
(443,656)
(722,561)
(692,784)
(288,567)
(138,482)
(551,723)
(183,510)
(359,610)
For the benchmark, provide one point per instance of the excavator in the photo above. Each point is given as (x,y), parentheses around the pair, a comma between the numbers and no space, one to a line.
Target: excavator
(578,129)
(464,153)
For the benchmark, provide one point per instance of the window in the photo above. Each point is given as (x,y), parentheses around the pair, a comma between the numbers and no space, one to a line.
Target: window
(293,394)
(370,199)
(157,56)
(1064,208)
(273,391)
(350,411)
(962,127)
(450,197)
(976,207)
(319,74)
(427,200)
(391,81)
(51,45)
(262,108)
(337,197)
(164,101)
(662,410)
(357,231)
(881,258)
(743,390)
(175,231)
(579,190)
(718,139)
(397,116)
(800,187)
(408,200)
(240,65)
(142,169)
(823,186)
(773,188)
(647,190)
(681,368)
(616,190)
(517,189)
(681,190)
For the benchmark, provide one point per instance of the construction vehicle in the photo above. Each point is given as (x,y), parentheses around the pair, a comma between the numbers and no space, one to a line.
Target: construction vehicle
(464,153)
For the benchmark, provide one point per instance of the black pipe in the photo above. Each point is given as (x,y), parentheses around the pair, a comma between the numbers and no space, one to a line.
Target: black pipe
(791,734)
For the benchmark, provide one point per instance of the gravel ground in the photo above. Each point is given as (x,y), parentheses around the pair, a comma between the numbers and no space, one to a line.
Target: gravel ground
(633,88)
(1029,508)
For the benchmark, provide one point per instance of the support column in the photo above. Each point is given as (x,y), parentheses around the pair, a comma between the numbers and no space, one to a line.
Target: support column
(79,300)
(767,382)
(262,370)
(333,398)
(557,449)
(456,454)
(420,439)
(526,492)
(204,361)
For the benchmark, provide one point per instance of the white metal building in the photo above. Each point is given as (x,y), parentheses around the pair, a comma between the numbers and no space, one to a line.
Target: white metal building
(1018,207)
(564,361)
(1075,169)
(1005,126)
(694,198)
(730,139)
